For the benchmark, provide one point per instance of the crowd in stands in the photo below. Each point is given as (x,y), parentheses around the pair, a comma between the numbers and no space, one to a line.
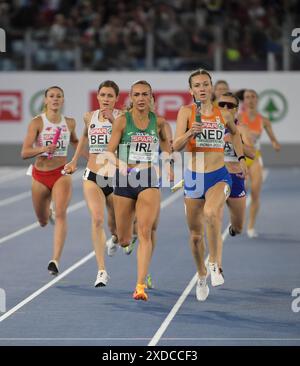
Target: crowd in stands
(145,34)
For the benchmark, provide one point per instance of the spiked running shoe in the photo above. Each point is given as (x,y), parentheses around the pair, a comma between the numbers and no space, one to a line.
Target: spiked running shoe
(128,250)
(112,246)
(53,267)
(202,290)
(217,278)
(252,233)
(139,293)
(102,279)
(149,282)
(231,231)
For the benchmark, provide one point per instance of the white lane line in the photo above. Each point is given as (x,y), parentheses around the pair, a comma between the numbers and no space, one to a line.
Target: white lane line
(19,232)
(10,176)
(44,288)
(166,202)
(74,207)
(16,198)
(23,195)
(161,330)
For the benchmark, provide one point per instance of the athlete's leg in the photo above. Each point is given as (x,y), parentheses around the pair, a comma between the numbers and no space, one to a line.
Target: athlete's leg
(95,201)
(214,203)
(237,209)
(41,198)
(111,221)
(256,177)
(61,195)
(124,208)
(195,221)
(147,208)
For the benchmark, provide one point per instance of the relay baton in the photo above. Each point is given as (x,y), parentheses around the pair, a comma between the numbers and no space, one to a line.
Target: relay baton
(177,186)
(55,139)
(63,172)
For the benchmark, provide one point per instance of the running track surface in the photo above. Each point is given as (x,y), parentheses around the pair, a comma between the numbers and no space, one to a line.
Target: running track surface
(253,307)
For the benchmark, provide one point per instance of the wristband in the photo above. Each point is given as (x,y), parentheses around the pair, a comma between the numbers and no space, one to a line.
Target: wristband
(241,157)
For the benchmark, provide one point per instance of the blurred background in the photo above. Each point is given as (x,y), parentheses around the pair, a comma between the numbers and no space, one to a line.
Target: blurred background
(149,35)
(77,44)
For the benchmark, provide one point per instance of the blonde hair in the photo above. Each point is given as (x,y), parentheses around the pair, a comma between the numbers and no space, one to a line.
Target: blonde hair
(128,108)
(46,92)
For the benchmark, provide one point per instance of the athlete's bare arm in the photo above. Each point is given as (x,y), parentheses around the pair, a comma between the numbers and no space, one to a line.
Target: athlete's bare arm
(163,137)
(269,130)
(116,135)
(182,134)
(236,138)
(248,147)
(71,167)
(73,137)
(28,151)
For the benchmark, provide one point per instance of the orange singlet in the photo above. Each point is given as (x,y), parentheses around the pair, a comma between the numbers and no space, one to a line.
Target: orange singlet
(256,126)
(211,139)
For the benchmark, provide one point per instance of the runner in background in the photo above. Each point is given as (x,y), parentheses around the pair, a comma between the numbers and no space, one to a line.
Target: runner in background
(236,202)
(256,124)
(220,87)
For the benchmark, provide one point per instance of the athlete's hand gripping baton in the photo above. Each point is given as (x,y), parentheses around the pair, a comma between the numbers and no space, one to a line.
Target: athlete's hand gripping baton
(55,139)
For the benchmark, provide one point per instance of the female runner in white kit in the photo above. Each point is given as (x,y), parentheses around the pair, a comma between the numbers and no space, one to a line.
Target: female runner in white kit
(98,176)
(48,183)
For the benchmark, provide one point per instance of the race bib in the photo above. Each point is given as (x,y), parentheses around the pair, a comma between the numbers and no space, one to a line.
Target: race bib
(211,136)
(99,138)
(143,148)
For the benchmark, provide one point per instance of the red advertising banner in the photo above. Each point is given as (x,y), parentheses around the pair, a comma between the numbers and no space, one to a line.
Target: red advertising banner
(10,106)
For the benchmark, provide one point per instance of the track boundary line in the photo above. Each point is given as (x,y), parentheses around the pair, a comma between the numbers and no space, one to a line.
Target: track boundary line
(161,330)
(6,315)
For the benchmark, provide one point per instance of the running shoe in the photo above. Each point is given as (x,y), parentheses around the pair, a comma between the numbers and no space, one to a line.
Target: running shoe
(202,290)
(52,213)
(128,250)
(217,278)
(53,267)
(112,245)
(149,282)
(139,293)
(102,279)
(231,231)
(252,233)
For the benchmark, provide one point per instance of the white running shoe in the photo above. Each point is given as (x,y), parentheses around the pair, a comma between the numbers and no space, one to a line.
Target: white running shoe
(252,233)
(52,213)
(102,279)
(53,267)
(112,245)
(202,290)
(217,278)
